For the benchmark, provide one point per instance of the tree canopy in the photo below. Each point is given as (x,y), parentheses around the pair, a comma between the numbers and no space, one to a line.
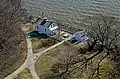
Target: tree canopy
(11,35)
(104,33)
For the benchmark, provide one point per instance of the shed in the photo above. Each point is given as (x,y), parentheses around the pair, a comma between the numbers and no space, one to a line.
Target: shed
(80,36)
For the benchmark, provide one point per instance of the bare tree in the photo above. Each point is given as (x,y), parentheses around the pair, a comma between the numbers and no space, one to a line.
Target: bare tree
(64,69)
(104,33)
(11,36)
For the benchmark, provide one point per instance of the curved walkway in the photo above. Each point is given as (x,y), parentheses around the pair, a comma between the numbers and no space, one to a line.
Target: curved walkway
(30,61)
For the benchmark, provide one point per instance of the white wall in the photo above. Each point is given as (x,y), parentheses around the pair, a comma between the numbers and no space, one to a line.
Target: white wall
(53,27)
(79,36)
(43,30)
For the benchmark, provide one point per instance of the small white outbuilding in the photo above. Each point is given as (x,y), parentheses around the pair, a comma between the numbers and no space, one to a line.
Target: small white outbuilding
(80,36)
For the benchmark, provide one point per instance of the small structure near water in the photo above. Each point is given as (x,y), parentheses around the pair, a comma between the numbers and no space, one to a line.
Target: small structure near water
(46,27)
(80,36)
(49,28)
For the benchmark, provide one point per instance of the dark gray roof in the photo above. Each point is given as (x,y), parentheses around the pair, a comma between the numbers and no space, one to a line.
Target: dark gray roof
(66,28)
(46,23)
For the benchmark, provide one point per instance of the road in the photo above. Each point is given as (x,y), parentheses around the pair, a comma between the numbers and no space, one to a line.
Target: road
(31,59)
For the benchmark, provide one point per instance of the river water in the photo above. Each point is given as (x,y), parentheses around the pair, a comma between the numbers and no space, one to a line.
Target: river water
(86,7)
(71,10)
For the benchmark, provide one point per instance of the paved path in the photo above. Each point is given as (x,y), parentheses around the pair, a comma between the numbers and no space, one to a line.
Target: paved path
(14,74)
(40,53)
(30,61)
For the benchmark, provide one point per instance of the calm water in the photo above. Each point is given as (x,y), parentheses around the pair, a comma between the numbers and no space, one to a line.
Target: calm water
(84,7)
(72,11)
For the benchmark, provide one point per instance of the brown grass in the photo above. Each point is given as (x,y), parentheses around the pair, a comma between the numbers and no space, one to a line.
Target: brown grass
(46,61)
(30,27)
(41,44)
(14,61)
(25,74)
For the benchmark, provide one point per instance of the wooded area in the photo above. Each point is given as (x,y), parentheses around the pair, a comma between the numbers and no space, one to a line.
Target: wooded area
(12,39)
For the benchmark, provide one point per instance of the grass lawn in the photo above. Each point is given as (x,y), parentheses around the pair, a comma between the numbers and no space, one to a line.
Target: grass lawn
(45,62)
(105,68)
(25,74)
(40,44)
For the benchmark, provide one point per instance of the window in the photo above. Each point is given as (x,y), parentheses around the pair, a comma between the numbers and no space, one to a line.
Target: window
(37,27)
(45,30)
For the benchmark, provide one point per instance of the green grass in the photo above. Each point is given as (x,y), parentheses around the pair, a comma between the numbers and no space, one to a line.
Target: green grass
(43,65)
(106,67)
(25,74)
(45,62)
(40,44)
